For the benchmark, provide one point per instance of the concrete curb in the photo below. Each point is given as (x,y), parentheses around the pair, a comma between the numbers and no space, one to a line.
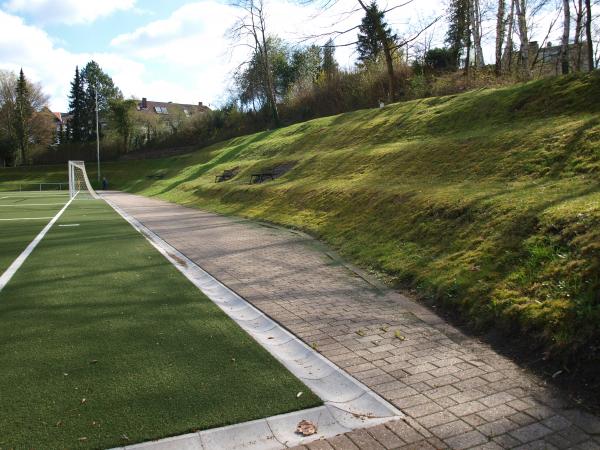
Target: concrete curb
(349,404)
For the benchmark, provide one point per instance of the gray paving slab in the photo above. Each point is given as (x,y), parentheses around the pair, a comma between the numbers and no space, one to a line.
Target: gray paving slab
(353,322)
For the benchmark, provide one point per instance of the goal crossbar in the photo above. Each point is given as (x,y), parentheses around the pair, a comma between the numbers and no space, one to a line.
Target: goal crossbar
(79,181)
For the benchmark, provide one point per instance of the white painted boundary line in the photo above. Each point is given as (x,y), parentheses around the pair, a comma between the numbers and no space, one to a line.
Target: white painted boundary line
(25,218)
(23,205)
(17,263)
(349,404)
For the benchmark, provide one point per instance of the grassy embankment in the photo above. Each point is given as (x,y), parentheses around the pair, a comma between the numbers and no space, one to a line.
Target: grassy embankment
(486,202)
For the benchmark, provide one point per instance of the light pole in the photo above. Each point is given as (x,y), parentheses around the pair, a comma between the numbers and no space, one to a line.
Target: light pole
(97,136)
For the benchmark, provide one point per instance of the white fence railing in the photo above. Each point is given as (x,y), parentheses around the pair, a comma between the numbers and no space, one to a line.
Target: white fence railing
(36,187)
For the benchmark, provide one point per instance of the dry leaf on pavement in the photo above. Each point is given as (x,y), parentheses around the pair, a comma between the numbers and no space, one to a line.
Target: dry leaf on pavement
(306,428)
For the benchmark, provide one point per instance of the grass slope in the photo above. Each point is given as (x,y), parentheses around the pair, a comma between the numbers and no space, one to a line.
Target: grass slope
(486,202)
(104,343)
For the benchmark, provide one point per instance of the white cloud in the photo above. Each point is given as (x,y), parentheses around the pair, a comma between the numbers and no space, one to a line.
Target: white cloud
(31,48)
(68,11)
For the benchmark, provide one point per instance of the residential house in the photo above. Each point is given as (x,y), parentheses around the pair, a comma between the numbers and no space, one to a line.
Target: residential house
(546,60)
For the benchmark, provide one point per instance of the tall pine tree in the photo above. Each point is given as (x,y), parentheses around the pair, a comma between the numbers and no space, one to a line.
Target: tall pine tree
(24,112)
(95,80)
(329,64)
(370,45)
(77,109)
(458,34)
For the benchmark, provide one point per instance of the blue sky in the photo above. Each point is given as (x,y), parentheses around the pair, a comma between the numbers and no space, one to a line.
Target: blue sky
(172,50)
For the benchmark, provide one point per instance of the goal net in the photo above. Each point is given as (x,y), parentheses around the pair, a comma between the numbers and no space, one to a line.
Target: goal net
(79,184)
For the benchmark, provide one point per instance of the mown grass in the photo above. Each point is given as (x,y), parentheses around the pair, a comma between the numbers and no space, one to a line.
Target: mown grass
(104,343)
(487,202)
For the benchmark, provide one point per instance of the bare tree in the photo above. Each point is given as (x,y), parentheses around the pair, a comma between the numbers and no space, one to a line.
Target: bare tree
(507,57)
(521,11)
(588,34)
(564,49)
(579,10)
(252,27)
(475,10)
(500,30)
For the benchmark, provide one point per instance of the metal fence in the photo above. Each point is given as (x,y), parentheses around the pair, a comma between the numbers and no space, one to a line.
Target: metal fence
(41,187)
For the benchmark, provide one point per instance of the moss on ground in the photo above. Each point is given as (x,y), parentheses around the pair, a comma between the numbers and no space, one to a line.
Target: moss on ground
(486,202)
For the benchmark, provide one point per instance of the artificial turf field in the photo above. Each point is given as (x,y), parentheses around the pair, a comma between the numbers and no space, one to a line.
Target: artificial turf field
(104,343)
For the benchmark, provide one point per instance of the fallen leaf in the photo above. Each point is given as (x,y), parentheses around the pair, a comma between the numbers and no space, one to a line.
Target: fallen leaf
(360,332)
(399,336)
(306,428)
(557,373)
(124,437)
(314,346)
(93,361)
(83,400)
(82,439)
(59,423)
(299,394)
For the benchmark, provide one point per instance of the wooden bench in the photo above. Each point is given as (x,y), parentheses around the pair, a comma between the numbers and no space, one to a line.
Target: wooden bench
(226,175)
(260,177)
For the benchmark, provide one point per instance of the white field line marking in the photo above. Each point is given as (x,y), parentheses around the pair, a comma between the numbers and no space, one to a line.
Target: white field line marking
(33,204)
(28,218)
(69,225)
(17,263)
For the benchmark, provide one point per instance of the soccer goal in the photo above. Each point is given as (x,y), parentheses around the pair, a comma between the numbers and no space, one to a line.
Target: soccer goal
(79,184)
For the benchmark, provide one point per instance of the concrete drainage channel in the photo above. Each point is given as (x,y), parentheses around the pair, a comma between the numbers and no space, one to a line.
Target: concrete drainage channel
(348,404)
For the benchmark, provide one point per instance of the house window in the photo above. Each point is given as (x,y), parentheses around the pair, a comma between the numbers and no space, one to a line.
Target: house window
(187,112)
(161,110)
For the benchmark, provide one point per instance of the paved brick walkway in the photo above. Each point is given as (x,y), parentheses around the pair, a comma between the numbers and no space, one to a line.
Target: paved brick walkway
(456,392)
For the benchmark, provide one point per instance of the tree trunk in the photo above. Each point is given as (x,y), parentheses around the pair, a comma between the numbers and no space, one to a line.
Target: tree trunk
(508,50)
(387,51)
(564,49)
(500,29)
(578,31)
(263,51)
(588,34)
(476,29)
(522,21)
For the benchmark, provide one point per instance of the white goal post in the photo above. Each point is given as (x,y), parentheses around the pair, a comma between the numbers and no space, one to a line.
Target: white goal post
(78,180)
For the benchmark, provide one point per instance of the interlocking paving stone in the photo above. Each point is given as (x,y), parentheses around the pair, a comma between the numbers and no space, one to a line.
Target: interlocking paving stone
(342,442)
(363,440)
(497,428)
(385,437)
(466,440)
(285,275)
(451,429)
(319,445)
(531,432)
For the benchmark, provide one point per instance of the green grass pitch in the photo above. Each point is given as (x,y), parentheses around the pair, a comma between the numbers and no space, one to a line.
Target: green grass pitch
(103,343)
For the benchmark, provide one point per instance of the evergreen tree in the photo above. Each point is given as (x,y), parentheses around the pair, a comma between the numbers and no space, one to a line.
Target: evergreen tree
(24,112)
(95,80)
(329,65)
(370,45)
(458,34)
(77,108)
